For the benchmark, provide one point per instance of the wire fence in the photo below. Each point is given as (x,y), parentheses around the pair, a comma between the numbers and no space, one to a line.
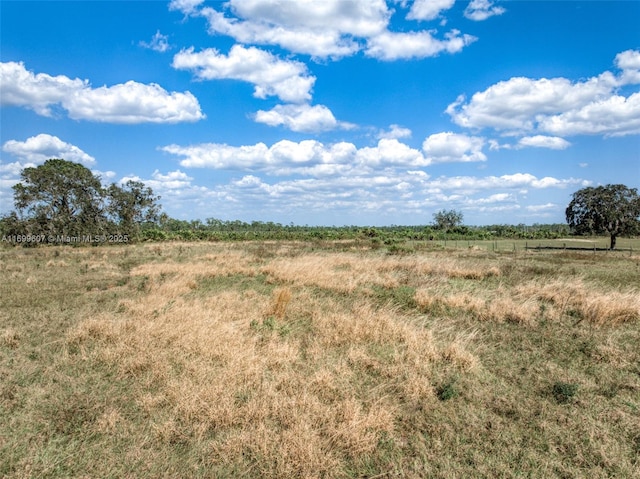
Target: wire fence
(585,246)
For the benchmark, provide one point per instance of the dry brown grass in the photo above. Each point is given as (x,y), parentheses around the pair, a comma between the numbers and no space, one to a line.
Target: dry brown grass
(300,401)
(346,272)
(498,306)
(314,364)
(532,300)
(584,302)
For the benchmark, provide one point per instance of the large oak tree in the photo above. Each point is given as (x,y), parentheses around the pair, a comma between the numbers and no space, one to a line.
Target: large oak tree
(65,198)
(447,219)
(60,197)
(610,209)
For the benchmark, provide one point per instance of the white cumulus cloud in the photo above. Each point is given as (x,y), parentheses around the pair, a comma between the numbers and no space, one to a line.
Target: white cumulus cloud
(613,116)
(158,43)
(20,87)
(311,157)
(318,43)
(428,9)
(395,131)
(516,104)
(448,147)
(422,44)
(133,102)
(185,6)
(390,151)
(629,62)
(307,157)
(321,29)
(329,28)
(541,141)
(37,149)
(173,180)
(543,207)
(356,18)
(471,184)
(271,76)
(479,10)
(557,106)
(129,102)
(220,156)
(301,118)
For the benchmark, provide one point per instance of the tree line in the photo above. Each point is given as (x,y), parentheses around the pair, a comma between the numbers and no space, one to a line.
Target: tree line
(66,199)
(213,229)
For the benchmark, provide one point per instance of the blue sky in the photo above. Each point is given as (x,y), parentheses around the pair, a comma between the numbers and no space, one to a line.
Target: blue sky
(328,112)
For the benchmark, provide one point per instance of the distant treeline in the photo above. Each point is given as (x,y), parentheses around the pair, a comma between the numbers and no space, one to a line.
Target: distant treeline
(218,230)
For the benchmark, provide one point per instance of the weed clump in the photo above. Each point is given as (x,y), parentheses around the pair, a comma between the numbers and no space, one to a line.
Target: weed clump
(268,325)
(564,393)
(447,390)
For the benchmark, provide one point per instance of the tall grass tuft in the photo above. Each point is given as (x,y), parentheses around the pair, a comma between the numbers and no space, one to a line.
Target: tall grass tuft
(280,301)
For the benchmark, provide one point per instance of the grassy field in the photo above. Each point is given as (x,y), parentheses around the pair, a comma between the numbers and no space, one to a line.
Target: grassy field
(284,360)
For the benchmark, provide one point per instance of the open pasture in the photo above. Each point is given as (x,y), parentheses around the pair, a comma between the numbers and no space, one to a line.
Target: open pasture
(294,359)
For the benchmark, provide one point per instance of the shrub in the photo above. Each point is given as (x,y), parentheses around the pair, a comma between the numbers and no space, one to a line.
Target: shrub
(564,392)
(447,390)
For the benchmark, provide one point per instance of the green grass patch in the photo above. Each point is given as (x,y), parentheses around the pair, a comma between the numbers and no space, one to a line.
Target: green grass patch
(400,296)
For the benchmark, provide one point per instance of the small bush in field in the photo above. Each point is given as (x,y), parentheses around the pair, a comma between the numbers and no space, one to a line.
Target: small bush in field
(564,392)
